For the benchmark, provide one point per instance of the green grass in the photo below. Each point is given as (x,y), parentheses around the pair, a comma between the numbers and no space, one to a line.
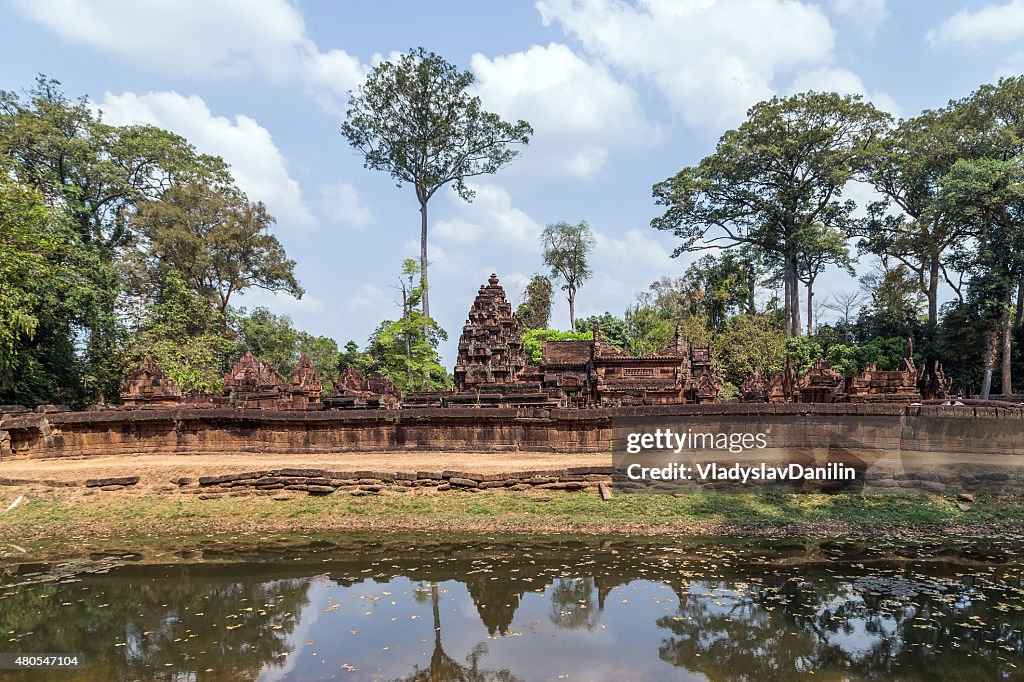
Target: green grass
(55,515)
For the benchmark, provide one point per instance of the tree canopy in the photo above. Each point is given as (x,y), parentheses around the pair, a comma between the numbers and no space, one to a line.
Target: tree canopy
(415,118)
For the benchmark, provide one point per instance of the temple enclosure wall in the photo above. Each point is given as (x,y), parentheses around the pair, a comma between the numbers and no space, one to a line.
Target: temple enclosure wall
(966,430)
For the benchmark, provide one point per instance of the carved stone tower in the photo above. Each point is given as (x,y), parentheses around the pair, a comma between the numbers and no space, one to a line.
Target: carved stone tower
(490,348)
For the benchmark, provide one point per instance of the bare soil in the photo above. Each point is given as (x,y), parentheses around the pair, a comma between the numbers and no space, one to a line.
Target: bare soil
(161,469)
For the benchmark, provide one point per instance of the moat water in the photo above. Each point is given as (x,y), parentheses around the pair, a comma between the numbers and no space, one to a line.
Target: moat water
(383,607)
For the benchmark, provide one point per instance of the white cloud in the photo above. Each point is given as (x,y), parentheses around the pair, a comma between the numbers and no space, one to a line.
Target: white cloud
(369,297)
(490,216)
(623,266)
(711,60)
(330,75)
(578,110)
(992,25)
(257,164)
(209,38)
(868,14)
(843,81)
(342,203)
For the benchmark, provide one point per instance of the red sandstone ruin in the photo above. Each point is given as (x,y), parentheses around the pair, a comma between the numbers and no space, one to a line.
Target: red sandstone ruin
(493,370)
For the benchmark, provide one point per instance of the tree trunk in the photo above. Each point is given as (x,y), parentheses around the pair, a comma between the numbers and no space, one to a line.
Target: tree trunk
(787,300)
(408,341)
(792,308)
(423,270)
(989,363)
(933,297)
(810,309)
(797,328)
(1007,354)
(789,275)
(572,309)
(1019,318)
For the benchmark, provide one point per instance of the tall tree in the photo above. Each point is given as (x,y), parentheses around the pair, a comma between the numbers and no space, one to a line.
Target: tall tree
(183,334)
(822,246)
(96,174)
(535,311)
(414,117)
(907,166)
(990,193)
(567,250)
(47,297)
(216,239)
(399,350)
(769,180)
(986,191)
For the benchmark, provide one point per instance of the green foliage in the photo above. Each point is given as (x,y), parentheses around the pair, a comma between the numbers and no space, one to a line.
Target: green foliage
(959,343)
(748,344)
(415,117)
(729,391)
(567,250)
(804,352)
(613,329)
(885,353)
(269,337)
(219,242)
(770,180)
(93,175)
(532,340)
(843,358)
(405,350)
(714,286)
(351,356)
(48,294)
(323,353)
(907,166)
(896,305)
(274,340)
(182,333)
(646,330)
(535,311)
(99,172)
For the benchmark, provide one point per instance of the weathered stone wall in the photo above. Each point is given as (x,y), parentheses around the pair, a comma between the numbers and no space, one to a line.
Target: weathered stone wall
(976,430)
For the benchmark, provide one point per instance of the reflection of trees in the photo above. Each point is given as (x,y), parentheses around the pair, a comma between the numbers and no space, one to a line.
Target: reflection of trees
(749,613)
(785,628)
(444,668)
(572,603)
(234,628)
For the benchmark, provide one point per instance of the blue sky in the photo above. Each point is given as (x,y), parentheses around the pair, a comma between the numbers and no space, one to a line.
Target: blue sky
(621,95)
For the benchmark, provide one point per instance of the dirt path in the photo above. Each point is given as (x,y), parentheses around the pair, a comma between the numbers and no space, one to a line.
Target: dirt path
(162,468)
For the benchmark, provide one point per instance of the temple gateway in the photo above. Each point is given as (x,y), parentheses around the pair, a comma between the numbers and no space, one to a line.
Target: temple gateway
(492,370)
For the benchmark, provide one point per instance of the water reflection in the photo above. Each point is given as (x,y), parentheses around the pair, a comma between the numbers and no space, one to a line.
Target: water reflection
(427,609)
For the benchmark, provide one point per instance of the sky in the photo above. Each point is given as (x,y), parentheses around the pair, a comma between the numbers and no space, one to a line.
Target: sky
(621,95)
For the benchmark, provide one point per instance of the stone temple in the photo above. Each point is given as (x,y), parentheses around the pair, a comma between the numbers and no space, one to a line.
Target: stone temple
(493,370)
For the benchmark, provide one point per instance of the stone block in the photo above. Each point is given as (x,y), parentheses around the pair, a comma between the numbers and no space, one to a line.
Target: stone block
(116,480)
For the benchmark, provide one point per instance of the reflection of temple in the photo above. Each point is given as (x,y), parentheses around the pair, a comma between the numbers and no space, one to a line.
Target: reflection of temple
(495,602)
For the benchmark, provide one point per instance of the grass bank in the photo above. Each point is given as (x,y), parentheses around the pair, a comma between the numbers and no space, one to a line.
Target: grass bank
(54,514)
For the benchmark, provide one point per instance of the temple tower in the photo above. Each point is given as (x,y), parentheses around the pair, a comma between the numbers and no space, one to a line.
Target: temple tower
(490,348)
